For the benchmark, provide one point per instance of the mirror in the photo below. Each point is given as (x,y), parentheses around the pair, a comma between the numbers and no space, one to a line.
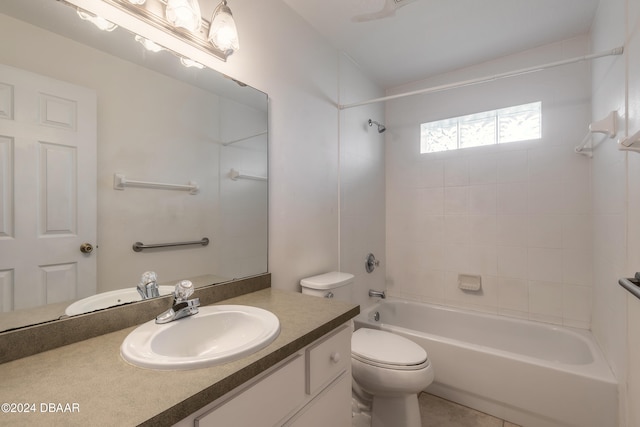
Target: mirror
(130,146)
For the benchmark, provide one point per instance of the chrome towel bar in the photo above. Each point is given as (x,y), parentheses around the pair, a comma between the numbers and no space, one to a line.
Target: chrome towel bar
(139,246)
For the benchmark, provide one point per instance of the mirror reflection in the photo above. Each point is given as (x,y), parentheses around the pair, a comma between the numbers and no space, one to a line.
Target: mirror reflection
(105,144)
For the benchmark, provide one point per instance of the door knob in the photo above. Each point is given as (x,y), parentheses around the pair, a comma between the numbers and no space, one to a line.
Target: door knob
(86,248)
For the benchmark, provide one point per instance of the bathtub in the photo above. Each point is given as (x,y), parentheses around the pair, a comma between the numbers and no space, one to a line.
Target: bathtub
(529,373)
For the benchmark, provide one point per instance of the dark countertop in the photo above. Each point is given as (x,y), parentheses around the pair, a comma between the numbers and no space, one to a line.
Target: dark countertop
(98,387)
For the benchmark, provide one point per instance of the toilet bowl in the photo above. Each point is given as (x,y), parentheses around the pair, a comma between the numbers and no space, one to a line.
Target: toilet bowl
(388,370)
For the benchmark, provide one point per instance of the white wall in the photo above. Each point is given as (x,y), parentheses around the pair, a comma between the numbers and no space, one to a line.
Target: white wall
(616,199)
(282,56)
(326,168)
(362,187)
(518,214)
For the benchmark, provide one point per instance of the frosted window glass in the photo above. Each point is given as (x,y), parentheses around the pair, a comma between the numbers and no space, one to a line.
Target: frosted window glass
(439,138)
(474,133)
(517,123)
(520,125)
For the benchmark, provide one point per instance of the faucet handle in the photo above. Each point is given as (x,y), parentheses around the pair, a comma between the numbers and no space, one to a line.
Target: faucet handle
(184,289)
(148,286)
(148,277)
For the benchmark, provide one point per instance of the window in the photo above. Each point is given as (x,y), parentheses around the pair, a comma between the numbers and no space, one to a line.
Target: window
(511,124)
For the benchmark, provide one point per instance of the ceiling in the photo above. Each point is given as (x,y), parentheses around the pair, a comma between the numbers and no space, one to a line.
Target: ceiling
(430,37)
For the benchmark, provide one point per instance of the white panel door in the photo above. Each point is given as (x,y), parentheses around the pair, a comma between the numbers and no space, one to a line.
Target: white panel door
(47,190)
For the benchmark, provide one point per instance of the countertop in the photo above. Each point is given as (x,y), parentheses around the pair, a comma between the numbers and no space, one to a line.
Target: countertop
(88,383)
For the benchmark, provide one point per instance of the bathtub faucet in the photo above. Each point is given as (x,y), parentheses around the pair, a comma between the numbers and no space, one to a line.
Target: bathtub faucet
(379,294)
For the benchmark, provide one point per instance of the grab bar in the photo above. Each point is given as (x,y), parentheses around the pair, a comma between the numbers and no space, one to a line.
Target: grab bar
(632,284)
(139,246)
(244,139)
(236,175)
(120,182)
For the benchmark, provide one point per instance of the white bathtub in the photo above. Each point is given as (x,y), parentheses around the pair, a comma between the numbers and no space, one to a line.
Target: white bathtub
(530,373)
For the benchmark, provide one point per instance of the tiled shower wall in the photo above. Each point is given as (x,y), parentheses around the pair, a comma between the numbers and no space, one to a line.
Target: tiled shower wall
(519,214)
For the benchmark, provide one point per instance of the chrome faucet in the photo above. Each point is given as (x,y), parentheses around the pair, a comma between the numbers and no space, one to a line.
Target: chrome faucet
(379,294)
(148,286)
(182,306)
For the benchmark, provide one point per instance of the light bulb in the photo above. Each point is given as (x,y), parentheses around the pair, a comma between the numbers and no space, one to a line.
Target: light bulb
(223,33)
(184,13)
(99,22)
(148,44)
(190,63)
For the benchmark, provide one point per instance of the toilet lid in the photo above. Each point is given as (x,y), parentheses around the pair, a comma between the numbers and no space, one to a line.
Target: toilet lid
(386,348)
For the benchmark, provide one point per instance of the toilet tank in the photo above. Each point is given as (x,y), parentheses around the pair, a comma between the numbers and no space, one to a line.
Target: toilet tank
(329,285)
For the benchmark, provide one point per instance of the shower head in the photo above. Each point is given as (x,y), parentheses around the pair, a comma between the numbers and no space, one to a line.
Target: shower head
(381,127)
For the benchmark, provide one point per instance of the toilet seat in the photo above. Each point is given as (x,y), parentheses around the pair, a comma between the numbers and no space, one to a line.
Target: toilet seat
(387,350)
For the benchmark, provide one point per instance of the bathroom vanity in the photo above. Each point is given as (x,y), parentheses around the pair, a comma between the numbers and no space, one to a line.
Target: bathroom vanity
(310,388)
(301,378)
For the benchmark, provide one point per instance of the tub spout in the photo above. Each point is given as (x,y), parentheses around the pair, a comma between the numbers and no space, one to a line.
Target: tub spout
(379,294)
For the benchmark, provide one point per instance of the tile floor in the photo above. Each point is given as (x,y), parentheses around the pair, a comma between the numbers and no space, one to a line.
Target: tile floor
(438,412)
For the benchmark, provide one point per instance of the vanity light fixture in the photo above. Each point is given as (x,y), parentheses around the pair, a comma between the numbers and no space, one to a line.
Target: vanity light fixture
(148,44)
(223,33)
(183,19)
(184,14)
(99,22)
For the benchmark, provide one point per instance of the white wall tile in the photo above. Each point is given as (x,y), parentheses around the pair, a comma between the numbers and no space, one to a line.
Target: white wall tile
(545,197)
(483,169)
(546,164)
(482,230)
(577,266)
(512,198)
(456,229)
(482,199)
(545,264)
(431,201)
(545,301)
(518,214)
(512,262)
(513,296)
(512,166)
(545,231)
(512,230)
(456,171)
(577,231)
(456,200)
(432,173)
(577,302)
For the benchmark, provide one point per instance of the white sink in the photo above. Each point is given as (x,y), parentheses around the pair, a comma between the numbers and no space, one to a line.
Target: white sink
(217,334)
(109,299)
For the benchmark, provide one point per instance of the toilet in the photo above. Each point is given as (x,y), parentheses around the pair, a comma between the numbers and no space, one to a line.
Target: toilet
(388,370)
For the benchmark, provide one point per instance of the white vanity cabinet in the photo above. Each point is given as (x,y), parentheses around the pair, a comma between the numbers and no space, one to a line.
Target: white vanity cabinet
(310,388)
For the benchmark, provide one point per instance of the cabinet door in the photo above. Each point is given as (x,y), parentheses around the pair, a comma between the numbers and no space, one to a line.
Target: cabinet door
(331,408)
(264,403)
(327,358)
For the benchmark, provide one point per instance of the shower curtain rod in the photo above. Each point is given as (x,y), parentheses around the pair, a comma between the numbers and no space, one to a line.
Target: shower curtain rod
(616,51)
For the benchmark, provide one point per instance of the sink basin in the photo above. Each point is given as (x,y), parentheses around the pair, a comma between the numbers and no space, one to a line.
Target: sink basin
(217,334)
(109,299)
